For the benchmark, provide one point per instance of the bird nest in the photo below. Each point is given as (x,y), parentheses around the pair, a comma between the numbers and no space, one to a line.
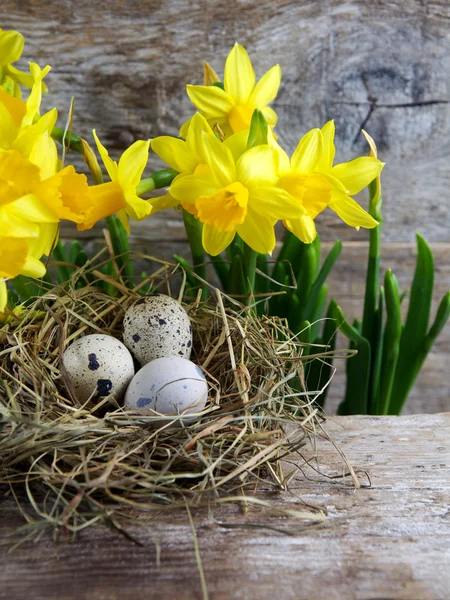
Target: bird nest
(75,464)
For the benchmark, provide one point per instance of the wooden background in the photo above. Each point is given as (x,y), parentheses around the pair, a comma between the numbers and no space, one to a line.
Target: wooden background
(384,65)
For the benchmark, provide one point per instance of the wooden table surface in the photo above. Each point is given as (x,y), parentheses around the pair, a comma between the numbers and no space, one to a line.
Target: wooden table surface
(387,541)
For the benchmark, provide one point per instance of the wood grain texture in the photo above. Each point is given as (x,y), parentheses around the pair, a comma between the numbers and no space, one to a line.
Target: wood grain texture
(383,65)
(388,541)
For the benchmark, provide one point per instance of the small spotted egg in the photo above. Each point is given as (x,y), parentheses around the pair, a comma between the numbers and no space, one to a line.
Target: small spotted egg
(157,326)
(170,386)
(98,365)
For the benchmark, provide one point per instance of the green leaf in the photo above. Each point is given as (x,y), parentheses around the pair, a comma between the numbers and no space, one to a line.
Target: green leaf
(317,312)
(442,316)
(259,130)
(328,264)
(358,368)
(236,279)
(415,329)
(376,351)
(291,251)
(305,277)
(121,247)
(320,369)
(391,342)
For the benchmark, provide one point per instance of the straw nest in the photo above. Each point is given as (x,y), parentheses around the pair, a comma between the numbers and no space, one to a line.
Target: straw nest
(78,464)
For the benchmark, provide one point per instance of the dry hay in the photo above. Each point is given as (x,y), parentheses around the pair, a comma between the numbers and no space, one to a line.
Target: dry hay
(78,465)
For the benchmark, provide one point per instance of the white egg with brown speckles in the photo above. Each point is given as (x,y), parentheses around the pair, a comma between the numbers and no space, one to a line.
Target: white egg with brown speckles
(168,386)
(156,326)
(98,365)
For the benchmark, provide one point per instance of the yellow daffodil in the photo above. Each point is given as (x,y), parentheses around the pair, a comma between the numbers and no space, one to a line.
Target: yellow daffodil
(188,156)
(11,47)
(184,156)
(236,195)
(232,107)
(119,195)
(20,256)
(310,177)
(20,123)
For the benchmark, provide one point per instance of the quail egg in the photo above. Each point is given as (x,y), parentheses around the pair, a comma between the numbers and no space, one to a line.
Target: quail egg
(170,385)
(98,365)
(157,326)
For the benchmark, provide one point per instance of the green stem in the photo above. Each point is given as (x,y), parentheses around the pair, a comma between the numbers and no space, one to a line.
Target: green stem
(121,247)
(194,234)
(71,140)
(250,257)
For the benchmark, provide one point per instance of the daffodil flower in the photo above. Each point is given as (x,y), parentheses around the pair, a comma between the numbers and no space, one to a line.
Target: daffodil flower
(237,196)
(311,177)
(20,256)
(232,107)
(11,47)
(119,195)
(187,157)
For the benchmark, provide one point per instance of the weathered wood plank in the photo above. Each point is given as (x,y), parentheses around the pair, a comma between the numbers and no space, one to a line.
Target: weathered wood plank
(384,65)
(391,540)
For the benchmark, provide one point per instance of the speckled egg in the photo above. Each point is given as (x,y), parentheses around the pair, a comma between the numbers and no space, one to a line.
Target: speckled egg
(157,326)
(98,365)
(170,386)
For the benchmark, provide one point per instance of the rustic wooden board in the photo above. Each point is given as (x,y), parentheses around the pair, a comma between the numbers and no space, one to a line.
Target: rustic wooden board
(387,541)
(383,65)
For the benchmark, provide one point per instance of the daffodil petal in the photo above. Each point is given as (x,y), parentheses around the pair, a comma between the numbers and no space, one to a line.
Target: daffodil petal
(31,208)
(27,137)
(215,241)
(123,218)
(110,165)
(175,153)
(188,188)
(3,295)
(270,115)
(275,203)
(267,87)
(258,232)
(8,128)
(23,78)
(14,226)
(14,106)
(105,199)
(211,101)
(358,173)
(194,139)
(258,165)
(137,208)
(44,243)
(284,163)
(163,203)
(239,76)
(237,144)
(220,160)
(11,46)
(132,164)
(304,228)
(184,129)
(308,152)
(328,148)
(44,155)
(350,211)
(33,267)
